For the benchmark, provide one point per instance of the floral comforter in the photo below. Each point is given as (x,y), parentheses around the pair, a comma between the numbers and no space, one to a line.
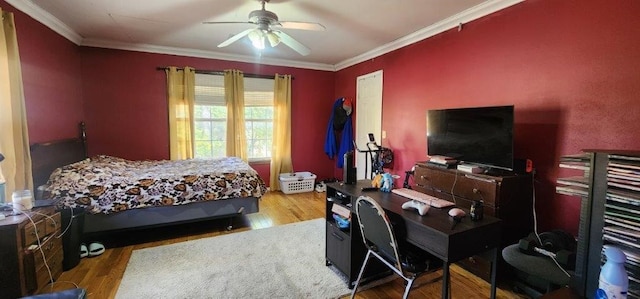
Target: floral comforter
(105,184)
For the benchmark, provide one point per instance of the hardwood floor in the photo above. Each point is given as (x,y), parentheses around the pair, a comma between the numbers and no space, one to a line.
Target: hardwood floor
(101,275)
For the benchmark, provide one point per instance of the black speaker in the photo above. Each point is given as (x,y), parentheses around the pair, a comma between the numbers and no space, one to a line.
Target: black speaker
(72,239)
(349,171)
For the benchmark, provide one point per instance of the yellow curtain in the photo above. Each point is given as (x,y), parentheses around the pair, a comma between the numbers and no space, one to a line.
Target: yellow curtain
(234,96)
(14,137)
(281,148)
(181,95)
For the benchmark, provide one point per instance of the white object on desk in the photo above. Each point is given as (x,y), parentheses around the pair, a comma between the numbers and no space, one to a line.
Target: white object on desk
(22,200)
(422,207)
(422,197)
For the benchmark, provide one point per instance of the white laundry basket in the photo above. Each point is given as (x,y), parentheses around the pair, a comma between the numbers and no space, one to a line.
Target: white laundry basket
(297,182)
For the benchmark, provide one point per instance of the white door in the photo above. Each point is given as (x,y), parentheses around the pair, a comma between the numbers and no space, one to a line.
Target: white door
(368,118)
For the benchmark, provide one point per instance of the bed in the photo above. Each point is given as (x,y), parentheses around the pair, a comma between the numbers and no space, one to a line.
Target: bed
(119,194)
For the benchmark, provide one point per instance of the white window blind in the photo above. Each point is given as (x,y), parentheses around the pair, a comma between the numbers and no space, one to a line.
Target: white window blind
(211,116)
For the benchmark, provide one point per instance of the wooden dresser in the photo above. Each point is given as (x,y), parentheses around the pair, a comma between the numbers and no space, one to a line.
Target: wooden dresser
(508,197)
(22,263)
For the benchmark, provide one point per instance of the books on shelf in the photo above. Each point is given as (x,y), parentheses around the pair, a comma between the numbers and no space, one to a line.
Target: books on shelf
(623,176)
(575,165)
(622,222)
(624,157)
(622,231)
(624,185)
(572,190)
(623,215)
(629,165)
(583,157)
(579,181)
(619,181)
(624,208)
(624,194)
(618,240)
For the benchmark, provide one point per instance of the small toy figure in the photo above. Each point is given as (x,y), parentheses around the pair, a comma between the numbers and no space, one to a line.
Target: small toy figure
(387,183)
(377,181)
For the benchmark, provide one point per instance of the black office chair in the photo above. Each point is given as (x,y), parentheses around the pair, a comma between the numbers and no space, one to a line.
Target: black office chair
(380,239)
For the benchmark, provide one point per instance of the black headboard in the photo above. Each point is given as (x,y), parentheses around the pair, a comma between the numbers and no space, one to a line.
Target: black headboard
(47,156)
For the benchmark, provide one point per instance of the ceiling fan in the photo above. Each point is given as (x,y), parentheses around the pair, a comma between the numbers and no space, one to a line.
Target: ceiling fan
(267,23)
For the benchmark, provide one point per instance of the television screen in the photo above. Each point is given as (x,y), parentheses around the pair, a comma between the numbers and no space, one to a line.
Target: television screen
(478,135)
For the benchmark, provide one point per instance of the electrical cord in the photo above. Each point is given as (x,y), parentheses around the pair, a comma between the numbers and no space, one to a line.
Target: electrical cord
(68,225)
(455,179)
(40,243)
(535,223)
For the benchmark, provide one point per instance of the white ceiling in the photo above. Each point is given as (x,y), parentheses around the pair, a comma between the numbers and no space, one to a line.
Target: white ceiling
(356,30)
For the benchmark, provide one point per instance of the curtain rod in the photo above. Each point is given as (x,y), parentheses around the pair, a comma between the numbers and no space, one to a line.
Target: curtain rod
(213,72)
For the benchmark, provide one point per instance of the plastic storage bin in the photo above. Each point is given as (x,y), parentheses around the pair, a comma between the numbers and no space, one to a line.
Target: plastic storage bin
(297,182)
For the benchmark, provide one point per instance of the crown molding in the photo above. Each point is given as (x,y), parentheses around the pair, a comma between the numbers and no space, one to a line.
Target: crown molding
(46,19)
(463,17)
(204,54)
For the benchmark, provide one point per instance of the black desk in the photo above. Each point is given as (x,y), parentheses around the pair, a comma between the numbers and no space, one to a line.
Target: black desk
(432,232)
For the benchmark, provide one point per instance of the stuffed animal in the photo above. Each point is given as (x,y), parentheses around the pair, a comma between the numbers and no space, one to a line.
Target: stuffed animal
(387,183)
(377,181)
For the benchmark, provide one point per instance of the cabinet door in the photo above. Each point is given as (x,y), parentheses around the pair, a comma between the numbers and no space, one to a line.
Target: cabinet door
(338,249)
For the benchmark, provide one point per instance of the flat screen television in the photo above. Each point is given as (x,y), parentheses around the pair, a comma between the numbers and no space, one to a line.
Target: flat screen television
(477,135)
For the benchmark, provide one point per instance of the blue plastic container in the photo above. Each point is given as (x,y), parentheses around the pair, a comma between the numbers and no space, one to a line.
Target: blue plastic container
(614,281)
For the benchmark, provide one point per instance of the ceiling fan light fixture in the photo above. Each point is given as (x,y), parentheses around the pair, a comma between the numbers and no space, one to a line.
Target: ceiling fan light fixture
(257,39)
(274,40)
(265,20)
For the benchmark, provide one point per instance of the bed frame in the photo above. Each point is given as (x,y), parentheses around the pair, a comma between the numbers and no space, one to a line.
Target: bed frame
(46,157)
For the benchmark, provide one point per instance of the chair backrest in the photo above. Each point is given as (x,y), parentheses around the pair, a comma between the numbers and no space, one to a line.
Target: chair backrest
(377,232)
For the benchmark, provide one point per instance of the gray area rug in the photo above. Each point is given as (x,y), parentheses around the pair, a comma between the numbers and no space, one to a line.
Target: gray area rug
(286,261)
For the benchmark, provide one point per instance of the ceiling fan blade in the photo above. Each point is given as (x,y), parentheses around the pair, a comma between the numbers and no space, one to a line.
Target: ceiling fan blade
(302,25)
(292,43)
(235,38)
(212,22)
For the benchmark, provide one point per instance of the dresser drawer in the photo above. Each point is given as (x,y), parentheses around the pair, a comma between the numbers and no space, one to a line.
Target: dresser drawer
(49,248)
(26,269)
(477,265)
(33,232)
(456,183)
(35,269)
(53,224)
(55,264)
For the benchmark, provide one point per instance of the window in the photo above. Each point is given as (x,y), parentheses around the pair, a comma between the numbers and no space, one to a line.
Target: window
(210,117)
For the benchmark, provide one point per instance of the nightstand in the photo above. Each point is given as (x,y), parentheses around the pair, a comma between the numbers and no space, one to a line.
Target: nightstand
(22,262)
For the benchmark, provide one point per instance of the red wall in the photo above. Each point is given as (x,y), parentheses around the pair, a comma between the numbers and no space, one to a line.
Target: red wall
(51,78)
(126,105)
(571,68)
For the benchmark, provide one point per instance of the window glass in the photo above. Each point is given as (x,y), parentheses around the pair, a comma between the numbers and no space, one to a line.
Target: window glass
(210,117)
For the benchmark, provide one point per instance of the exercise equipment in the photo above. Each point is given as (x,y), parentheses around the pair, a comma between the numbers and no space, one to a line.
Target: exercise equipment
(378,156)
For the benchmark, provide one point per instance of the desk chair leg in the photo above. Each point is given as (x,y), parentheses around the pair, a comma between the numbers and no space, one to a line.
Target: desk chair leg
(408,288)
(364,265)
